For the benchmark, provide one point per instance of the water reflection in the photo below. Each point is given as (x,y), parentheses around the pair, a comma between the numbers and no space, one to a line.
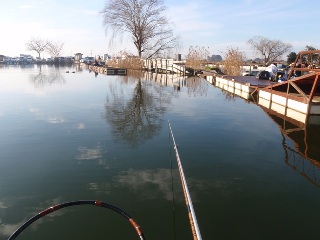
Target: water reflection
(78,67)
(89,153)
(49,117)
(304,155)
(94,153)
(6,229)
(196,86)
(155,183)
(43,78)
(136,116)
(95,72)
(174,80)
(151,184)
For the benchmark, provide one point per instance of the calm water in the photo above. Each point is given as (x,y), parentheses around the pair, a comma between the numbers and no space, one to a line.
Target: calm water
(72,136)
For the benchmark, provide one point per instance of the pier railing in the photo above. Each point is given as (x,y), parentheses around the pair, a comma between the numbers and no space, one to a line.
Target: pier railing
(165,66)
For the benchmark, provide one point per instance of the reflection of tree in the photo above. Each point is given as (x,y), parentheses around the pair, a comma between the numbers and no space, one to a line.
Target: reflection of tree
(196,86)
(42,79)
(137,118)
(230,97)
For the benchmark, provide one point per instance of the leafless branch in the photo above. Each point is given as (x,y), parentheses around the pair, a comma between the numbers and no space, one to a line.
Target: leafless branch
(143,20)
(269,49)
(37,44)
(54,48)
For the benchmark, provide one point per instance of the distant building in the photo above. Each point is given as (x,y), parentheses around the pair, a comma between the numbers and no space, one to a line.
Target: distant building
(77,57)
(215,58)
(26,55)
(25,59)
(106,56)
(2,58)
(178,57)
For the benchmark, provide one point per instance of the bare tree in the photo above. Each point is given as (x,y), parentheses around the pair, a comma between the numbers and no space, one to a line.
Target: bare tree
(143,20)
(233,62)
(269,49)
(197,57)
(125,59)
(37,44)
(54,48)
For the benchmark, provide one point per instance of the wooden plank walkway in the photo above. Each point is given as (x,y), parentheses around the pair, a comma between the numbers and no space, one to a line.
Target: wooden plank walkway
(106,70)
(164,66)
(252,80)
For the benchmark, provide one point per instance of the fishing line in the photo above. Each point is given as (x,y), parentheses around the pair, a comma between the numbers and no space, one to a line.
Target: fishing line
(79,202)
(192,216)
(172,190)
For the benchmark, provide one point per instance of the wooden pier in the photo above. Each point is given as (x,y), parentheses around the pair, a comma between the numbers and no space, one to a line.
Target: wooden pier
(106,70)
(164,66)
(286,98)
(297,98)
(246,87)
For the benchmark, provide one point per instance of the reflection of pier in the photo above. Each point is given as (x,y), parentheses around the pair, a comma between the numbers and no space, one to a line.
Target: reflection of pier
(245,87)
(174,80)
(194,85)
(304,157)
(306,167)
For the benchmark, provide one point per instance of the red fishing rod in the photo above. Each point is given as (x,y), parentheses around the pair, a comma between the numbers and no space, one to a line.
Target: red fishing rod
(79,202)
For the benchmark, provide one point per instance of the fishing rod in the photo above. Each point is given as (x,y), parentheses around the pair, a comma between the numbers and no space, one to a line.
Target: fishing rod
(79,202)
(192,216)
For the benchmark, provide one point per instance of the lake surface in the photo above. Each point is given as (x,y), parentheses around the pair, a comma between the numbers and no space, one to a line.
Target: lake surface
(78,136)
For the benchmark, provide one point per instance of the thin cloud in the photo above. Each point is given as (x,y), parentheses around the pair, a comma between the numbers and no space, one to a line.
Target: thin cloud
(191,18)
(25,6)
(88,12)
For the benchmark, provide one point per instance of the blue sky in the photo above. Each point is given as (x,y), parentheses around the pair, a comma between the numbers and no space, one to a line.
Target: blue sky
(215,24)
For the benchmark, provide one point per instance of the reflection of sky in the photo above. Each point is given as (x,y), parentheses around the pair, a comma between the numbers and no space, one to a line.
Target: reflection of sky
(79,126)
(7,229)
(53,118)
(153,184)
(89,153)
(52,102)
(47,117)
(149,184)
(95,153)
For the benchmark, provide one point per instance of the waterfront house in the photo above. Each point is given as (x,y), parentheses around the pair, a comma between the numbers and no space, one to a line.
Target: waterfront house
(77,57)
